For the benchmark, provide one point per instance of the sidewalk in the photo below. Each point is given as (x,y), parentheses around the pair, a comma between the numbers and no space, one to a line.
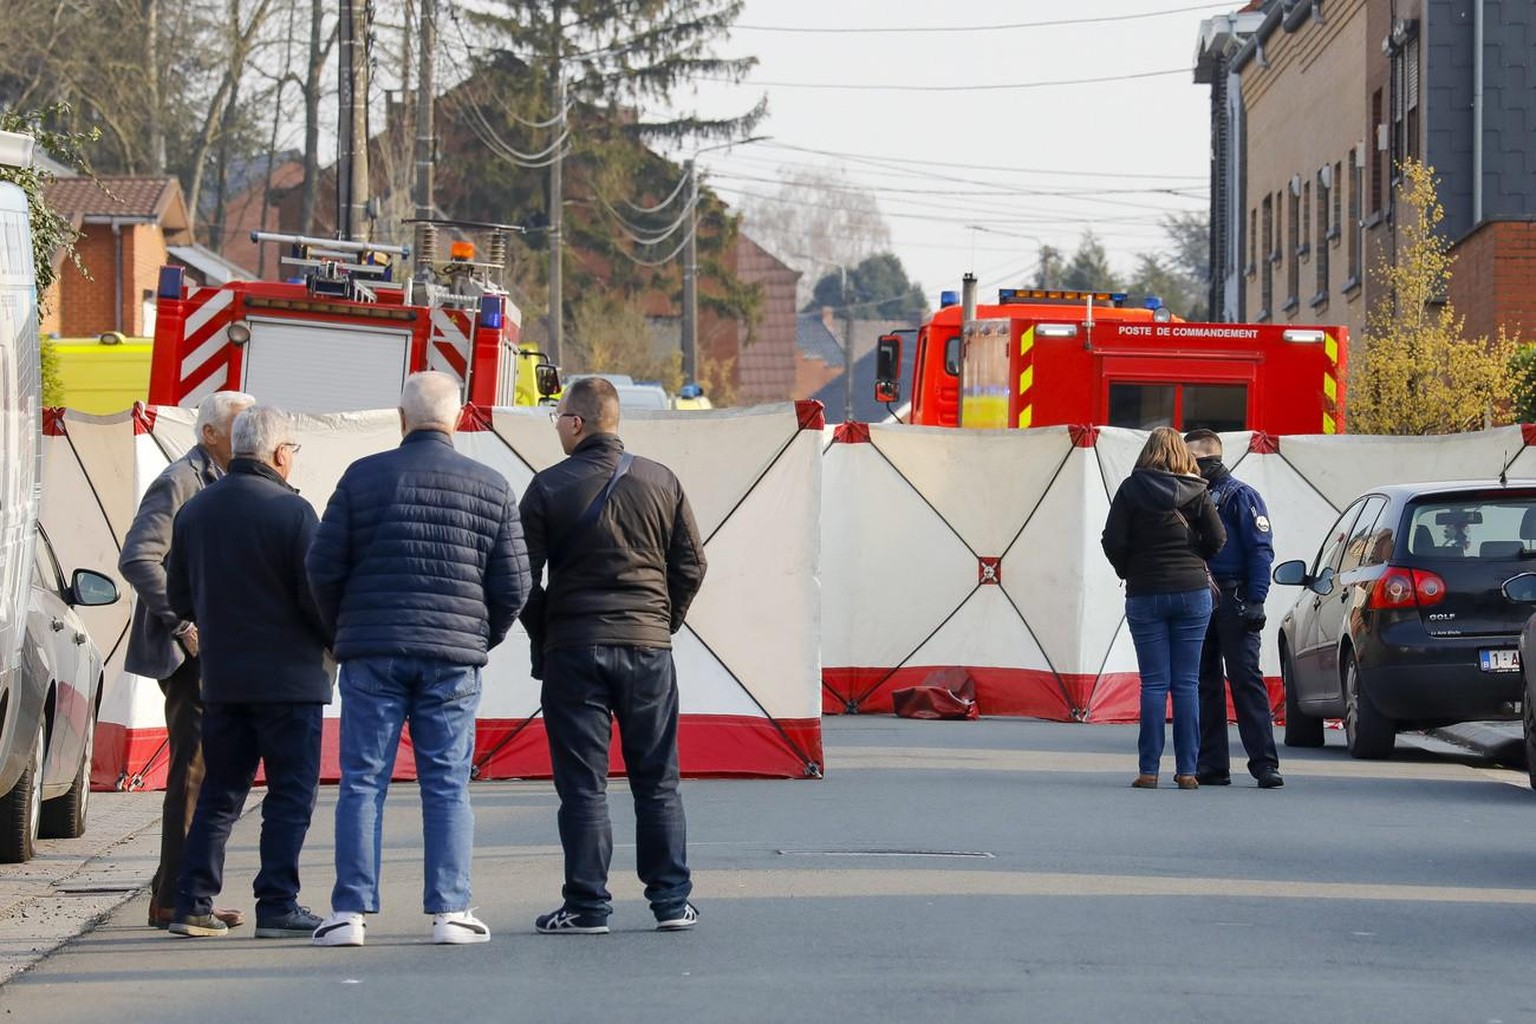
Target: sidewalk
(73,883)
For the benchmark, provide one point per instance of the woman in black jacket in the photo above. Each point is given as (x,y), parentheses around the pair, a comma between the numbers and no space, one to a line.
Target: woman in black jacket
(1162,527)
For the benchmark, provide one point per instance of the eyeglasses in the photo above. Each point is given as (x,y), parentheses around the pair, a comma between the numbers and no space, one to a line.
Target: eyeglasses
(556,417)
(294,448)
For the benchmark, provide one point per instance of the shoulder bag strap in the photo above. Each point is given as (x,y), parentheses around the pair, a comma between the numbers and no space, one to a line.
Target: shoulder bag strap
(590,516)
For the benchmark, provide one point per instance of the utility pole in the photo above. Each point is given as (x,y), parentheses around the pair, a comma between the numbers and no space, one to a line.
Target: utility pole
(426,130)
(556,217)
(847,349)
(352,176)
(691,280)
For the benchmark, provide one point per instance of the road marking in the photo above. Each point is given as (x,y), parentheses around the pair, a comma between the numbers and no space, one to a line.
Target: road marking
(777,884)
(1002,760)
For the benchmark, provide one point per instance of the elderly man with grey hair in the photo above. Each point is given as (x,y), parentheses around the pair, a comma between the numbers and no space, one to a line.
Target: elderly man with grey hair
(164,646)
(237,570)
(419,569)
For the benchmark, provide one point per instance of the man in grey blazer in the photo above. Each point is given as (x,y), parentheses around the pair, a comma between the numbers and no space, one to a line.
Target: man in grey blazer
(162,646)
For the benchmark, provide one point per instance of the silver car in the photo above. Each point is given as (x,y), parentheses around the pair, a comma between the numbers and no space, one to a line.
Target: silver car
(48,718)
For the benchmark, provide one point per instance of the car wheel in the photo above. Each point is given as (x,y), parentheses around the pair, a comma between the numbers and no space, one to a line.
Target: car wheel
(21,809)
(1528,718)
(1301,729)
(64,816)
(1369,734)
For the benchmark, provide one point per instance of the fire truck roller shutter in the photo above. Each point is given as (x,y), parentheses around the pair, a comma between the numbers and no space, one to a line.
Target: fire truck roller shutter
(297,366)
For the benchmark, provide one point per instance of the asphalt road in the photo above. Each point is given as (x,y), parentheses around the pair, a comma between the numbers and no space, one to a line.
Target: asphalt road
(992,871)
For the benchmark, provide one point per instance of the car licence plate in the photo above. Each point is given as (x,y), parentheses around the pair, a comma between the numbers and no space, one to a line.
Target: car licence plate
(1503,660)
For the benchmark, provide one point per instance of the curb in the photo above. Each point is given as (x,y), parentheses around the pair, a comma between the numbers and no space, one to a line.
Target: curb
(1503,742)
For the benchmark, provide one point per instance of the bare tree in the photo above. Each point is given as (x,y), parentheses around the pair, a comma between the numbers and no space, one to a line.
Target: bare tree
(817,219)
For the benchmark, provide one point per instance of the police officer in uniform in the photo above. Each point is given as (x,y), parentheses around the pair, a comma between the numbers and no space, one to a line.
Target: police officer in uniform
(1241,569)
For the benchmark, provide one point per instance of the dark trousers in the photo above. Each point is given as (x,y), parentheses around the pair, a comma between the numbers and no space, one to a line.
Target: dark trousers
(184,777)
(236,737)
(585,689)
(1229,643)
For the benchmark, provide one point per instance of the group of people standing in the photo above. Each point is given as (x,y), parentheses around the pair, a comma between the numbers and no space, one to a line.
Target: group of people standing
(1194,547)
(423,561)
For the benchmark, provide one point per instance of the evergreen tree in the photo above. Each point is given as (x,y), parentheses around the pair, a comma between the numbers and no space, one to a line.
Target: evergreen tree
(626,210)
(878,289)
(1089,269)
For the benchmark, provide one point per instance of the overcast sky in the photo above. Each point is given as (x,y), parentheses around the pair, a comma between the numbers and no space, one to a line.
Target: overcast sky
(1126,151)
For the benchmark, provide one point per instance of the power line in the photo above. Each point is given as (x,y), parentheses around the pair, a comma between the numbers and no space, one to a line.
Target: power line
(903,87)
(902,161)
(876,29)
(1092,221)
(998,190)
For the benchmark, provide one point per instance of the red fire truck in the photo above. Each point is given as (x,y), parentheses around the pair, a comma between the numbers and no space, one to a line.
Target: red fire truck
(345,330)
(1050,357)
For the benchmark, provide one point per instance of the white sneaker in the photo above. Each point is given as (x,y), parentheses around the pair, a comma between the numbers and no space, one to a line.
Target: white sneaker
(340,930)
(458,927)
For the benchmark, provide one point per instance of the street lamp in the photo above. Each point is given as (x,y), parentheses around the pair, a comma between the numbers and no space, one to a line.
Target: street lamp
(691,261)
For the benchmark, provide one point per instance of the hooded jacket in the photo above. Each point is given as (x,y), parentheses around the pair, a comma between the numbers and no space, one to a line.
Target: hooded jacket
(1150,548)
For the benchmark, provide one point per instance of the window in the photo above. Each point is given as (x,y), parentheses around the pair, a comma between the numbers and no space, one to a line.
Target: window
(1362,539)
(1329,555)
(1405,103)
(1371,140)
(1214,406)
(1320,258)
(1306,218)
(1185,406)
(1293,250)
(1253,241)
(1471,528)
(1141,406)
(1337,189)
(1267,269)
(1356,241)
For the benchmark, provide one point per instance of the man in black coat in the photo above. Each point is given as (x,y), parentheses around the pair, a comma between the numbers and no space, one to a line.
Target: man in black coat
(625,562)
(237,571)
(419,567)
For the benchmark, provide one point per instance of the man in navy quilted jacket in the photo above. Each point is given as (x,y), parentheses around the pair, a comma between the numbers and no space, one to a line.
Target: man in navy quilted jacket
(418,569)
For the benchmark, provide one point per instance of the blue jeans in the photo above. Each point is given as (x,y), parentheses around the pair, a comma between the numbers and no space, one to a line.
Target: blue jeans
(1169,633)
(438,698)
(585,690)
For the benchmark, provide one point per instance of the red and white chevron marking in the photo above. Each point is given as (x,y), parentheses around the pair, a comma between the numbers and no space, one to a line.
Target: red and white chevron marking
(204,345)
(448,346)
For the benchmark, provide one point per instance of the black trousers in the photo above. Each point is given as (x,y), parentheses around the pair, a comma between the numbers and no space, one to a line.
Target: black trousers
(183,779)
(585,690)
(1231,653)
(285,738)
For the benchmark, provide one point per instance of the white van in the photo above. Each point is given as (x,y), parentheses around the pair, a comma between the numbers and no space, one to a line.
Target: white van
(21,711)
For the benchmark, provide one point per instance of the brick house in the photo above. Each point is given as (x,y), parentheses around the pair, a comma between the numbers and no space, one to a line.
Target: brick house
(1313,106)
(128,227)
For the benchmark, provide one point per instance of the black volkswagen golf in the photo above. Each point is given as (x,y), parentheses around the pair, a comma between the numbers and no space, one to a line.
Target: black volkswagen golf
(1403,622)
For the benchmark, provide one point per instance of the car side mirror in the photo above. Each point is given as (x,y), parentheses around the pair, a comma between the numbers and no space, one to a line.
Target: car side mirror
(90,589)
(1521,588)
(1292,573)
(1323,584)
(888,368)
(546,379)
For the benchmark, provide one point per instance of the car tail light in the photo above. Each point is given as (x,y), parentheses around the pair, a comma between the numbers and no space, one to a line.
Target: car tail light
(1406,588)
